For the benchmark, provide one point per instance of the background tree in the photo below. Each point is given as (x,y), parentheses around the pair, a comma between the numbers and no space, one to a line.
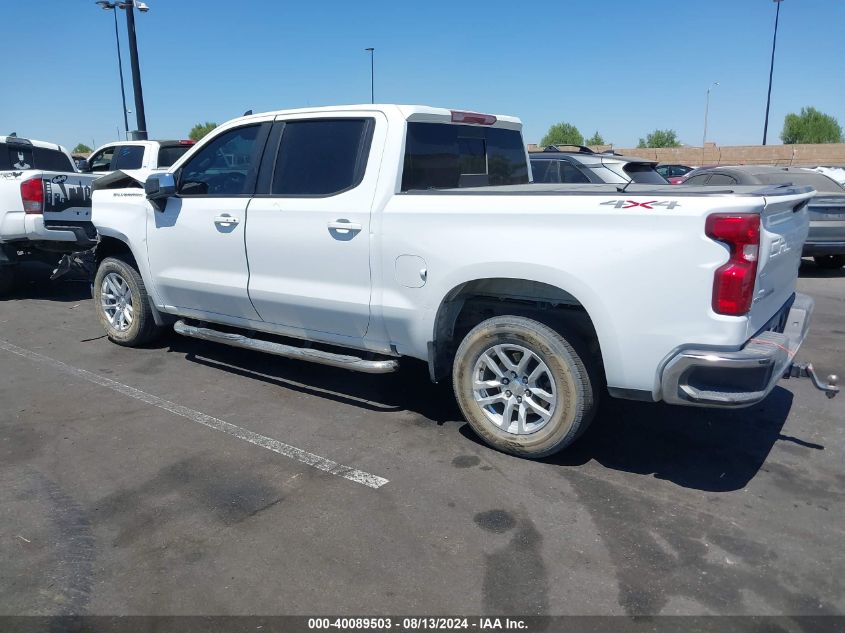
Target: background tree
(595,139)
(811,126)
(562,134)
(82,148)
(200,130)
(660,138)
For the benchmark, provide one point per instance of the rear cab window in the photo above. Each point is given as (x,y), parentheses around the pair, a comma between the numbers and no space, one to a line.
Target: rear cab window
(169,154)
(24,156)
(447,156)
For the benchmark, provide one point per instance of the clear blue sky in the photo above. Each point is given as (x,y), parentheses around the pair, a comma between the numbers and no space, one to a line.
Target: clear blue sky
(622,67)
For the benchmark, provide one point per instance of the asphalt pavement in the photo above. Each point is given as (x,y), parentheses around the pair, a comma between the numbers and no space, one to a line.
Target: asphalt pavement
(192,478)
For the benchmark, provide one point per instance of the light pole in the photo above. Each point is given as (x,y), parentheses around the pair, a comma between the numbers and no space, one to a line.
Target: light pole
(706,110)
(129,7)
(372,52)
(112,6)
(771,70)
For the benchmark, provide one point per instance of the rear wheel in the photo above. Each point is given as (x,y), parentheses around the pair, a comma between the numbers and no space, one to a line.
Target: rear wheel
(122,304)
(829,262)
(523,387)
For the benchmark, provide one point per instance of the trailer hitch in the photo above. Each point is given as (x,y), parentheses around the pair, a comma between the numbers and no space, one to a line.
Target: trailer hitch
(806,370)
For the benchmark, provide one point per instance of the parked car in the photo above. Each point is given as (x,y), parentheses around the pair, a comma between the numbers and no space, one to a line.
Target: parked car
(377,232)
(673,173)
(583,165)
(45,205)
(130,156)
(826,240)
(837,173)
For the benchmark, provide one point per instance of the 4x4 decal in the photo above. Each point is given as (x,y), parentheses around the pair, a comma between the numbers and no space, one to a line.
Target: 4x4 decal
(628,204)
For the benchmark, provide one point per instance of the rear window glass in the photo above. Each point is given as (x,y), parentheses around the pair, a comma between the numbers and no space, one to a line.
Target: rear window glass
(170,154)
(644,173)
(444,156)
(819,182)
(29,157)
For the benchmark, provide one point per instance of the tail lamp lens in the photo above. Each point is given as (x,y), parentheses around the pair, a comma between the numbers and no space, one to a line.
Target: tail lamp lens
(733,283)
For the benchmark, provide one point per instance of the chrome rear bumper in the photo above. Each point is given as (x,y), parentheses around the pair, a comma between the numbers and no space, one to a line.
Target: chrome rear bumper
(737,378)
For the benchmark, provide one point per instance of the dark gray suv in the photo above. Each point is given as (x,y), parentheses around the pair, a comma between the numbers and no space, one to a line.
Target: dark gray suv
(583,165)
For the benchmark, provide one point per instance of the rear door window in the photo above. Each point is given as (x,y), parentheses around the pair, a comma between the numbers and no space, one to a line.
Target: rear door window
(445,156)
(721,179)
(321,157)
(128,157)
(699,179)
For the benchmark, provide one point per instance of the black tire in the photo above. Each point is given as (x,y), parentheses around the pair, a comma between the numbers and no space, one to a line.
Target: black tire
(829,262)
(142,329)
(576,391)
(7,280)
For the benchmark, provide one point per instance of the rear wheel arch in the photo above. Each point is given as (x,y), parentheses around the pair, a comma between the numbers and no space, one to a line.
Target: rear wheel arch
(472,302)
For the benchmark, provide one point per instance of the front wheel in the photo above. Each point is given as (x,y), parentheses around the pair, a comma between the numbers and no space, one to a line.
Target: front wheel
(829,262)
(122,304)
(523,387)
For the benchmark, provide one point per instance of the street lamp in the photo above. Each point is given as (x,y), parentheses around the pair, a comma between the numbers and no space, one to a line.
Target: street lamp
(771,70)
(129,6)
(706,109)
(112,6)
(372,52)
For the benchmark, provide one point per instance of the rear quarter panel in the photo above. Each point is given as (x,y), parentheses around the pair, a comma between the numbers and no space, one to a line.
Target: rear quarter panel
(644,272)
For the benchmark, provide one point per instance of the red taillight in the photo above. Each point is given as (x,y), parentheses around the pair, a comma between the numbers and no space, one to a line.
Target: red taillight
(733,284)
(186,142)
(472,117)
(32,194)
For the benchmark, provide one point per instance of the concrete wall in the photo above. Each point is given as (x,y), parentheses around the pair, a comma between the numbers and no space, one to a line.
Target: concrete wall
(712,154)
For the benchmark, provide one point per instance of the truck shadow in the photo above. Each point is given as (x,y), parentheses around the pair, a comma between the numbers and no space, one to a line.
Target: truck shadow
(703,449)
(32,281)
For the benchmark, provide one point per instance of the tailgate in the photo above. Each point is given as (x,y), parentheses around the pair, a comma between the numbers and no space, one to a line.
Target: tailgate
(783,229)
(67,197)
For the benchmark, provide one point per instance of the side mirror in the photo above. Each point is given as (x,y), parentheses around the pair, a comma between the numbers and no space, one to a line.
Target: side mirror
(160,186)
(83,166)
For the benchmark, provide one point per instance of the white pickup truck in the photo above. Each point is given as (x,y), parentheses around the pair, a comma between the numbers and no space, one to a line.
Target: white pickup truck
(45,205)
(134,157)
(382,231)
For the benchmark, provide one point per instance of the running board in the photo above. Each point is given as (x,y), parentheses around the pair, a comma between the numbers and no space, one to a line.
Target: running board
(354,363)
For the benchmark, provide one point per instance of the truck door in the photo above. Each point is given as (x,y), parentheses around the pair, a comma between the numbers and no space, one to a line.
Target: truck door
(196,244)
(308,240)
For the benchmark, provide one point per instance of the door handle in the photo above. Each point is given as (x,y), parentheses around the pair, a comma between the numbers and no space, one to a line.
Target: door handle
(226,219)
(344,225)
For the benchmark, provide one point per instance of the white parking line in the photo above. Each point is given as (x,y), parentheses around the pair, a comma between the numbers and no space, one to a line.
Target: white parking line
(310,459)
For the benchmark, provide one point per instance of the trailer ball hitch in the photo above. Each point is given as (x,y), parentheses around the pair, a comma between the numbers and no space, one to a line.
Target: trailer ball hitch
(806,370)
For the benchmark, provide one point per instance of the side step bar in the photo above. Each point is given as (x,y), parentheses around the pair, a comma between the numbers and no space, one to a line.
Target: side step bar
(354,363)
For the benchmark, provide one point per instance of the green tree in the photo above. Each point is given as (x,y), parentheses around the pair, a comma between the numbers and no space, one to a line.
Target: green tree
(660,138)
(811,126)
(82,148)
(595,139)
(562,134)
(200,130)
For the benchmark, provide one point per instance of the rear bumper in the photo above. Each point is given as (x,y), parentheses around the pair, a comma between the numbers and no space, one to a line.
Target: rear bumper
(823,248)
(737,378)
